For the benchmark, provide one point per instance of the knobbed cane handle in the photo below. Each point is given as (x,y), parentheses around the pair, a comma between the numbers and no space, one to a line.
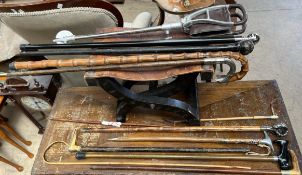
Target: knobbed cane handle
(246,47)
(284,158)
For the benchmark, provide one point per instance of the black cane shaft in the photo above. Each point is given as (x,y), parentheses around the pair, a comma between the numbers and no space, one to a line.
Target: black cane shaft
(162,149)
(176,42)
(243,47)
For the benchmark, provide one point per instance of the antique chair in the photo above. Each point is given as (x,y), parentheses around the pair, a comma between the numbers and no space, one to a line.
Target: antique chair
(34,27)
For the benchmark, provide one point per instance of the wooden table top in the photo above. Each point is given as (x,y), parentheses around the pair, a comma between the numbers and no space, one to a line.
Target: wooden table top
(216,100)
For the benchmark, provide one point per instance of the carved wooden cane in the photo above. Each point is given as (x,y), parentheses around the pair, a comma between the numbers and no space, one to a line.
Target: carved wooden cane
(278,129)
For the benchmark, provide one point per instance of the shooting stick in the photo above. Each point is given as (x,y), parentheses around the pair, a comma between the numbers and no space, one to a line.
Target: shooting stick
(278,130)
(185,24)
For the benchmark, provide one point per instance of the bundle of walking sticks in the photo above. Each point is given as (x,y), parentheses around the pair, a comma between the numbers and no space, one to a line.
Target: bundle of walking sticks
(110,56)
(96,155)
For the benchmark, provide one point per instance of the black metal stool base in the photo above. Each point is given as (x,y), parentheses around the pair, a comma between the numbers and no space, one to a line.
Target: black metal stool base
(155,98)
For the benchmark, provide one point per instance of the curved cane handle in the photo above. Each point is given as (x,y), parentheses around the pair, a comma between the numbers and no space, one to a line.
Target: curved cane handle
(284,158)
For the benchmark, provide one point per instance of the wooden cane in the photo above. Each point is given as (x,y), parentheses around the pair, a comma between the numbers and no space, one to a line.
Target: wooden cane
(278,129)
(18,167)
(9,140)
(144,60)
(108,60)
(4,125)
(240,118)
(294,171)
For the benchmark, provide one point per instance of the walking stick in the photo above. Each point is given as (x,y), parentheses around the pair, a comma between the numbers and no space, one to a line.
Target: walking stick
(278,129)
(139,43)
(76,148)
(140,164)
(266,142)
(294,171)
(243,47)
(126,62)
(283,159)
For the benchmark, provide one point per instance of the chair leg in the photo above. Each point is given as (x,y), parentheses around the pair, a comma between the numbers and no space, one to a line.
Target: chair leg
(9,140)
(8,128)
(18,167)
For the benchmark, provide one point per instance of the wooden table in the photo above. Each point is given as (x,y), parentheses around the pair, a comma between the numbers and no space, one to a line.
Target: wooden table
(216,100)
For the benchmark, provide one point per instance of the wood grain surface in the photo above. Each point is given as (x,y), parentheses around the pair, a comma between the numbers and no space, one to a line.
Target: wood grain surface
(216,100)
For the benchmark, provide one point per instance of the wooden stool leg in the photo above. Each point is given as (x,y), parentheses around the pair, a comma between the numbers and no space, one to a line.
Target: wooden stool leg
(18,167)
(9,140)
(4,125)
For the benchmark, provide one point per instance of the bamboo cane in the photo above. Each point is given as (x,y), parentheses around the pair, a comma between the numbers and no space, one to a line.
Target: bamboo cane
(231,75)
(110,60)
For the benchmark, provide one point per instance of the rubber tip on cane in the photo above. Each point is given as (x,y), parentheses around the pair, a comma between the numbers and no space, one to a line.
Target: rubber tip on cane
(80,155)
(246,47)
(11,66)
